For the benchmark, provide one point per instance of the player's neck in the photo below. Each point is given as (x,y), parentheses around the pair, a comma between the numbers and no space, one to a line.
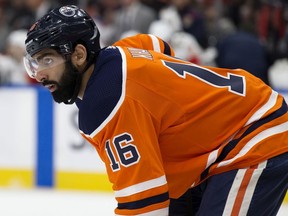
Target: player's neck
(85,79)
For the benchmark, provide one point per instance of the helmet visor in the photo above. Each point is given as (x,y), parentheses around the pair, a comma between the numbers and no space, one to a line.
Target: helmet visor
(40,62)
(30,65)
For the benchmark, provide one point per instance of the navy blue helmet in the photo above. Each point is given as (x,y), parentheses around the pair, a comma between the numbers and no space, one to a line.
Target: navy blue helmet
(62,28)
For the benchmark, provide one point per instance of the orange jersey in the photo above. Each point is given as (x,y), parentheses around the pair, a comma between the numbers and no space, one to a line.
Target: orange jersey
(163,125)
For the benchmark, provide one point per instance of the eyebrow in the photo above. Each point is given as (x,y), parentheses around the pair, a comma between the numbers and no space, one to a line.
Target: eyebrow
(41,56)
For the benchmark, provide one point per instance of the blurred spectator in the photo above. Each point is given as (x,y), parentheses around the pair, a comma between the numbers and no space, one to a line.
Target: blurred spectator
(162,29)
(278,71)
(184,44)
(192,19)
(243,50)
(192,27)
(3,24)
(217,25)
(40,7)
(278,74)
(129,33)
(243,14)
(157,5)
(103,12)
(7,69)
(133,15)
(15,45)
(11,64)
(272,26)
(13,15)
(187,47)
(19,16)
(171,16)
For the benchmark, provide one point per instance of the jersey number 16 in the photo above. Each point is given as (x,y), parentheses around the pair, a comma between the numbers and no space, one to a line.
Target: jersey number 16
(126,153)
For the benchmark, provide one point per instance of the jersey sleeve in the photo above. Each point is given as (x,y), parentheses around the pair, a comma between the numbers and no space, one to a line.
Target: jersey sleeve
(125,136)
(129,147)
(147,42)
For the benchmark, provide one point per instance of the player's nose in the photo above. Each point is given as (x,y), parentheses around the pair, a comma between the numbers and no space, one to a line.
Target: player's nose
(41,76)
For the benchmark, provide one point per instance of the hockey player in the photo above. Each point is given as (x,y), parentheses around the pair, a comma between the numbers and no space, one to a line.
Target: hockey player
(176,138)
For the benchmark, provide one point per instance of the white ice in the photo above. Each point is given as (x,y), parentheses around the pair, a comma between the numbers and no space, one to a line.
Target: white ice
(47,202)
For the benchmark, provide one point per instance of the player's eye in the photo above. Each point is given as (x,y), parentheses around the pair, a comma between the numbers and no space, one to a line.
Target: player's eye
(46,61)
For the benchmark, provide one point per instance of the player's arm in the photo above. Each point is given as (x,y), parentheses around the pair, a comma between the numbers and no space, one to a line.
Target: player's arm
(129,147)
(125,136)
(147,42)
(132,156)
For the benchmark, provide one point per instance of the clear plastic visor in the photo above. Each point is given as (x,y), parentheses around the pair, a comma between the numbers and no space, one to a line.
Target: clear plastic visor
(40,62)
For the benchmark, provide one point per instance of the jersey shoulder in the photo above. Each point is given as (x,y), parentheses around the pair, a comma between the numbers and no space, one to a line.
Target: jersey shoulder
(103,92)
(147,42)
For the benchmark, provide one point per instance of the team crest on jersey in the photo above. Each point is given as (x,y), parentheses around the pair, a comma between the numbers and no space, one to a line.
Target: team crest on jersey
(139,53)
(67,11)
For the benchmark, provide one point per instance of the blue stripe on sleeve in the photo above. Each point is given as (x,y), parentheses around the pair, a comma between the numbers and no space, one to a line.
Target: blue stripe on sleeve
(144,202)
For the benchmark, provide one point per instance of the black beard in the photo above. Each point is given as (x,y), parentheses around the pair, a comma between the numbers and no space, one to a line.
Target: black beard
(66,85)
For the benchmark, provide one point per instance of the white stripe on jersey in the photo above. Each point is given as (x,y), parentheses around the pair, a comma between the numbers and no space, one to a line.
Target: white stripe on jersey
(258,138)
(260,112)
(158,212)
(143,186)
(119,103)
(155,42)
(248,192)
(251,188)
(212,157)
(233,192)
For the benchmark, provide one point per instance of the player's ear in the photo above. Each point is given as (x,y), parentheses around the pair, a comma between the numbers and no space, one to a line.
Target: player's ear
(79,56)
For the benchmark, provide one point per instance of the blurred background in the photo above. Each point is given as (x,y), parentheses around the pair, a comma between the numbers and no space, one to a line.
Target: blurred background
(40,148)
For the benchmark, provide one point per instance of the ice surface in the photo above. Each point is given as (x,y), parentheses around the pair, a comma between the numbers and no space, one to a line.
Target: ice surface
(47,202)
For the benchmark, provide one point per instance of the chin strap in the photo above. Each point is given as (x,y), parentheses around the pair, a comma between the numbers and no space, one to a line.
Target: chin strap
(79,81)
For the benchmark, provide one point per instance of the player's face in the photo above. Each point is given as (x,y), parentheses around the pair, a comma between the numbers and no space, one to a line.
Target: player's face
(55,73)
(65,87)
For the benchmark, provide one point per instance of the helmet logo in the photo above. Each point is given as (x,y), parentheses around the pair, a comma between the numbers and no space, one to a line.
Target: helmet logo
(68,11)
